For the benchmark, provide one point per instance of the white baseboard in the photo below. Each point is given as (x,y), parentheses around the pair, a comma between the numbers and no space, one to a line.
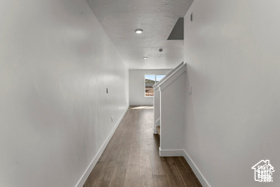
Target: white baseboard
(195,169)
(90,167)
(170,152)
(183,153)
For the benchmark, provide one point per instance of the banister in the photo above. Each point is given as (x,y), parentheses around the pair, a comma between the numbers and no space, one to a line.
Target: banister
(171,77)
(168,75)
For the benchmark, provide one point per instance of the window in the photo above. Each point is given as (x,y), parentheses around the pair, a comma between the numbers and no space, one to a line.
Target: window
(150,80)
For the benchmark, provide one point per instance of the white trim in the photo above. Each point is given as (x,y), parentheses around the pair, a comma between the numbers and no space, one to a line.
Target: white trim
(154,104)
(195,169)
(183,153)
(168,75)
(157,123)
(174,76)
(90,167)
(170,152)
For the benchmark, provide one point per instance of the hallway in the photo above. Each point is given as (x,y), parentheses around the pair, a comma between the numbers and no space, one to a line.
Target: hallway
(131,157)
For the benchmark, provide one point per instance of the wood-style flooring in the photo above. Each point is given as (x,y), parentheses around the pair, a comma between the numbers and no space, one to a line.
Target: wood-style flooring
(131,158)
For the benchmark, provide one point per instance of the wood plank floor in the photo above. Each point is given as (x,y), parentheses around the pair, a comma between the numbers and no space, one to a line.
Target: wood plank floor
(131,158)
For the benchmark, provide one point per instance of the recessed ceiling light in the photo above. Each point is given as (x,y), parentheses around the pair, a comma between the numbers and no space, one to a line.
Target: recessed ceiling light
(145,58)
(139,31)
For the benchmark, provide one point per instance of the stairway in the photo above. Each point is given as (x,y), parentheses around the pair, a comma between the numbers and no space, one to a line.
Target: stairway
(169,109)
(157,96)
(158,130)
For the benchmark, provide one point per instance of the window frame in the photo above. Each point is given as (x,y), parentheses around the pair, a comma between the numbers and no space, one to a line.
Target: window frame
(155,78)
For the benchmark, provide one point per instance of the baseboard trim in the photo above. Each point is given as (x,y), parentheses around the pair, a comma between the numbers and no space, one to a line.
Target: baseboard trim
(90,167)
(183,153)
(195,169)
(170,152)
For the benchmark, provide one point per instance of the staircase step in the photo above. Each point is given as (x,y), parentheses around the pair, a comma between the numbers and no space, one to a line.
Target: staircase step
(158,130)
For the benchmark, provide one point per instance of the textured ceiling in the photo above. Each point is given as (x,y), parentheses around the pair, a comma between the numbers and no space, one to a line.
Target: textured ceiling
(157,18)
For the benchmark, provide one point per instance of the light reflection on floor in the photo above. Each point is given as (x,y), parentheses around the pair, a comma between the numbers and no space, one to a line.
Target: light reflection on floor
(141,107)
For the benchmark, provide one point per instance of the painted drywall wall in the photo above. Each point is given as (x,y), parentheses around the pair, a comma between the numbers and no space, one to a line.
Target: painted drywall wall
(232,52)
(172,119)
(137,85)
(55,64)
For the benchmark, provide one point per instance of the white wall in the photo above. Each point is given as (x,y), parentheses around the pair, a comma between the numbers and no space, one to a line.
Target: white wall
(137,85)
(55,63)
(232,51)
(172,120)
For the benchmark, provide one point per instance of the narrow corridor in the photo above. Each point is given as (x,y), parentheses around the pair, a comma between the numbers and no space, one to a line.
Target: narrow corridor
(131,158)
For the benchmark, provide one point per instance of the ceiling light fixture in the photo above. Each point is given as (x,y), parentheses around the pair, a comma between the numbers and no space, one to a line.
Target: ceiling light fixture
(139,31)
(145,58)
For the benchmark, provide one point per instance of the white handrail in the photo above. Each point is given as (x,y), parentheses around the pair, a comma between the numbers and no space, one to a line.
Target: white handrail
(177,71)
(168,75)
